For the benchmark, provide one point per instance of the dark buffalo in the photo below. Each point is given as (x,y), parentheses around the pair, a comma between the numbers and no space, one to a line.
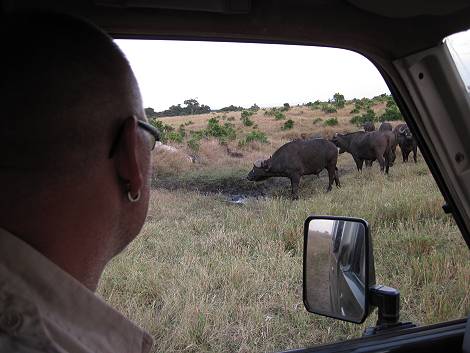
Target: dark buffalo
(406,141)
(297,158)
(366,146)
(393,148)
(369,126)
(385,127)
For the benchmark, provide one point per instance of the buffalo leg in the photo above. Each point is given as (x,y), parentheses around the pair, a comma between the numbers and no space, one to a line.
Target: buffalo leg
(405,156)
(338,184)
(387,161)
(331,176)
(359,163)
(295,181)
(381,161)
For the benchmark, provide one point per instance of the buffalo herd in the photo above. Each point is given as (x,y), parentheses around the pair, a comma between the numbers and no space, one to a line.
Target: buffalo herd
(310,156)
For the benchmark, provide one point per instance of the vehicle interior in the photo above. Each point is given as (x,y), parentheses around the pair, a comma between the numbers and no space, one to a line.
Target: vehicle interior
(403,40)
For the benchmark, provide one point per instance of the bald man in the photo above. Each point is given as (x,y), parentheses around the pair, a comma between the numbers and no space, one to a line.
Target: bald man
(75,161)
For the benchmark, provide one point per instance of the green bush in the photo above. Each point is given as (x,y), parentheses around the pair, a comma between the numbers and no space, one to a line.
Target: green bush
(338,100)
(174,136)
(390,114)
(163,128)
(254,136)
(354,111)
(223,133)
(368,116)
(270,112)
(254,108)
(317,120)
(331,122)
(245,118)
(279,115)
(193,143)
(289,124)
(328,108)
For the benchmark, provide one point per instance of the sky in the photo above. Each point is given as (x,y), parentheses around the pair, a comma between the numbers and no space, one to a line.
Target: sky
(221,74)
(242,74)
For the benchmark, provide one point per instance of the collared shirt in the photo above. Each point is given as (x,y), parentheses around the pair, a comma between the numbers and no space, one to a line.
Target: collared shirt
(44,309)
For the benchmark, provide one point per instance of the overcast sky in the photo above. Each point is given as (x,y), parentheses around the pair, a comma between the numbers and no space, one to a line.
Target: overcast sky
(221,74)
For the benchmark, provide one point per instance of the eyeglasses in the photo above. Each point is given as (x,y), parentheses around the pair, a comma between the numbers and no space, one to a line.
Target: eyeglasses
(153,132)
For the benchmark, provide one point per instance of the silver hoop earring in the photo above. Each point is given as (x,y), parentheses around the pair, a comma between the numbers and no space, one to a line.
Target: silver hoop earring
(133,198)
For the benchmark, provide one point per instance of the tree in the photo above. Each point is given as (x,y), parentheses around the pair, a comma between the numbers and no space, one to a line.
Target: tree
(192,105)
(338,100)
(150,112)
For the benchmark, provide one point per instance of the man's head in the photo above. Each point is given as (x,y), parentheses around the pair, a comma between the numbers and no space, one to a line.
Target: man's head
(68,97)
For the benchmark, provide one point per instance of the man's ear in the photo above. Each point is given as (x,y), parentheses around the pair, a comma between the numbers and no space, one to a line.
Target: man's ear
(127,161)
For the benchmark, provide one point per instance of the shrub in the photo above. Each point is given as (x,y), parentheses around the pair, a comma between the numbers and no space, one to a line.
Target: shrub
(269,112)
(254,108)
(328,108)
(190,122)
(368,116)
(289,124)
(253,136)
(391,113)
(163,128)
(175,136)
(223,133)
(285,107)
(317,120)
(354,111)
(338,100)
(279,115)
(245,118)
(231,118)
(193,143)
(331,122)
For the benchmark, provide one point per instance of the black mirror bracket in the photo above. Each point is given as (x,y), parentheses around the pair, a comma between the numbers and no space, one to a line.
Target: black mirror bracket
(387,301)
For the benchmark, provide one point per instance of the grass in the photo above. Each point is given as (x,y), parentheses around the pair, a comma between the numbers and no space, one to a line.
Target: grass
(206,275)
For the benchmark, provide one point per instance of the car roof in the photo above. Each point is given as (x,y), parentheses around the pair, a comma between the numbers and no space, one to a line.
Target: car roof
(391,30)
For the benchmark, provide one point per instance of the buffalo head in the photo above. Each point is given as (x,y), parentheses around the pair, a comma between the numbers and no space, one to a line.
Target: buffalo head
(260,170)
(405,132)
(339,142)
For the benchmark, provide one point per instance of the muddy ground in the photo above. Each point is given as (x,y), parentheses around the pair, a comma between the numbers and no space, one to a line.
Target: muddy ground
(237,186)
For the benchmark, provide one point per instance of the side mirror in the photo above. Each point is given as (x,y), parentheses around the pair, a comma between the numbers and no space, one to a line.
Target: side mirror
(338,267)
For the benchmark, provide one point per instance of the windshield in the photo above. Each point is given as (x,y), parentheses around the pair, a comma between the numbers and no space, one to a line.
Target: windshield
(218,264)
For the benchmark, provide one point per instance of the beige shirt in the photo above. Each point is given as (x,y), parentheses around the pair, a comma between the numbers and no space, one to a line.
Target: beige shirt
(44,309)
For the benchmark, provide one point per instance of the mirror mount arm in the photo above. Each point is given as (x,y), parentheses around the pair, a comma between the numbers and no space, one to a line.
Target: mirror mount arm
(387,301)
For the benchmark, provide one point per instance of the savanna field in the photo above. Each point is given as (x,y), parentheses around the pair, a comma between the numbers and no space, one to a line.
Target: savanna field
(210,275)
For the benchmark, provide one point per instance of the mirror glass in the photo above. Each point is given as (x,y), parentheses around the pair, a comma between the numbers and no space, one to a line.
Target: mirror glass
(335,269)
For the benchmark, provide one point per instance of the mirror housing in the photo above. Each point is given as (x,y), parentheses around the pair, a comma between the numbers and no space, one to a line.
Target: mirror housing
(338,267)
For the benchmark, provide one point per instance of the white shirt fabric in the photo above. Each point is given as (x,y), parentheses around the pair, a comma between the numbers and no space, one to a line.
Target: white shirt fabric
(44,309)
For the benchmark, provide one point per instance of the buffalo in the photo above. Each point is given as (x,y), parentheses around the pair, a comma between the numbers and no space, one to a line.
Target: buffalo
(297,158)
(369,126)
(385,127)
(406,141)
(366,146)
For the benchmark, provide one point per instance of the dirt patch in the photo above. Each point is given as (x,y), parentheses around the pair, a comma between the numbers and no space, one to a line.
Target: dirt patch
(237,185)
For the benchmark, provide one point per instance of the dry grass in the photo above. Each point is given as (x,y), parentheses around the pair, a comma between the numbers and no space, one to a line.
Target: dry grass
(209,276)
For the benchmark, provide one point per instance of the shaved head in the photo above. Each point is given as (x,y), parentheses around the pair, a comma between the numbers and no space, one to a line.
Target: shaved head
(66,88)
(67,96)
